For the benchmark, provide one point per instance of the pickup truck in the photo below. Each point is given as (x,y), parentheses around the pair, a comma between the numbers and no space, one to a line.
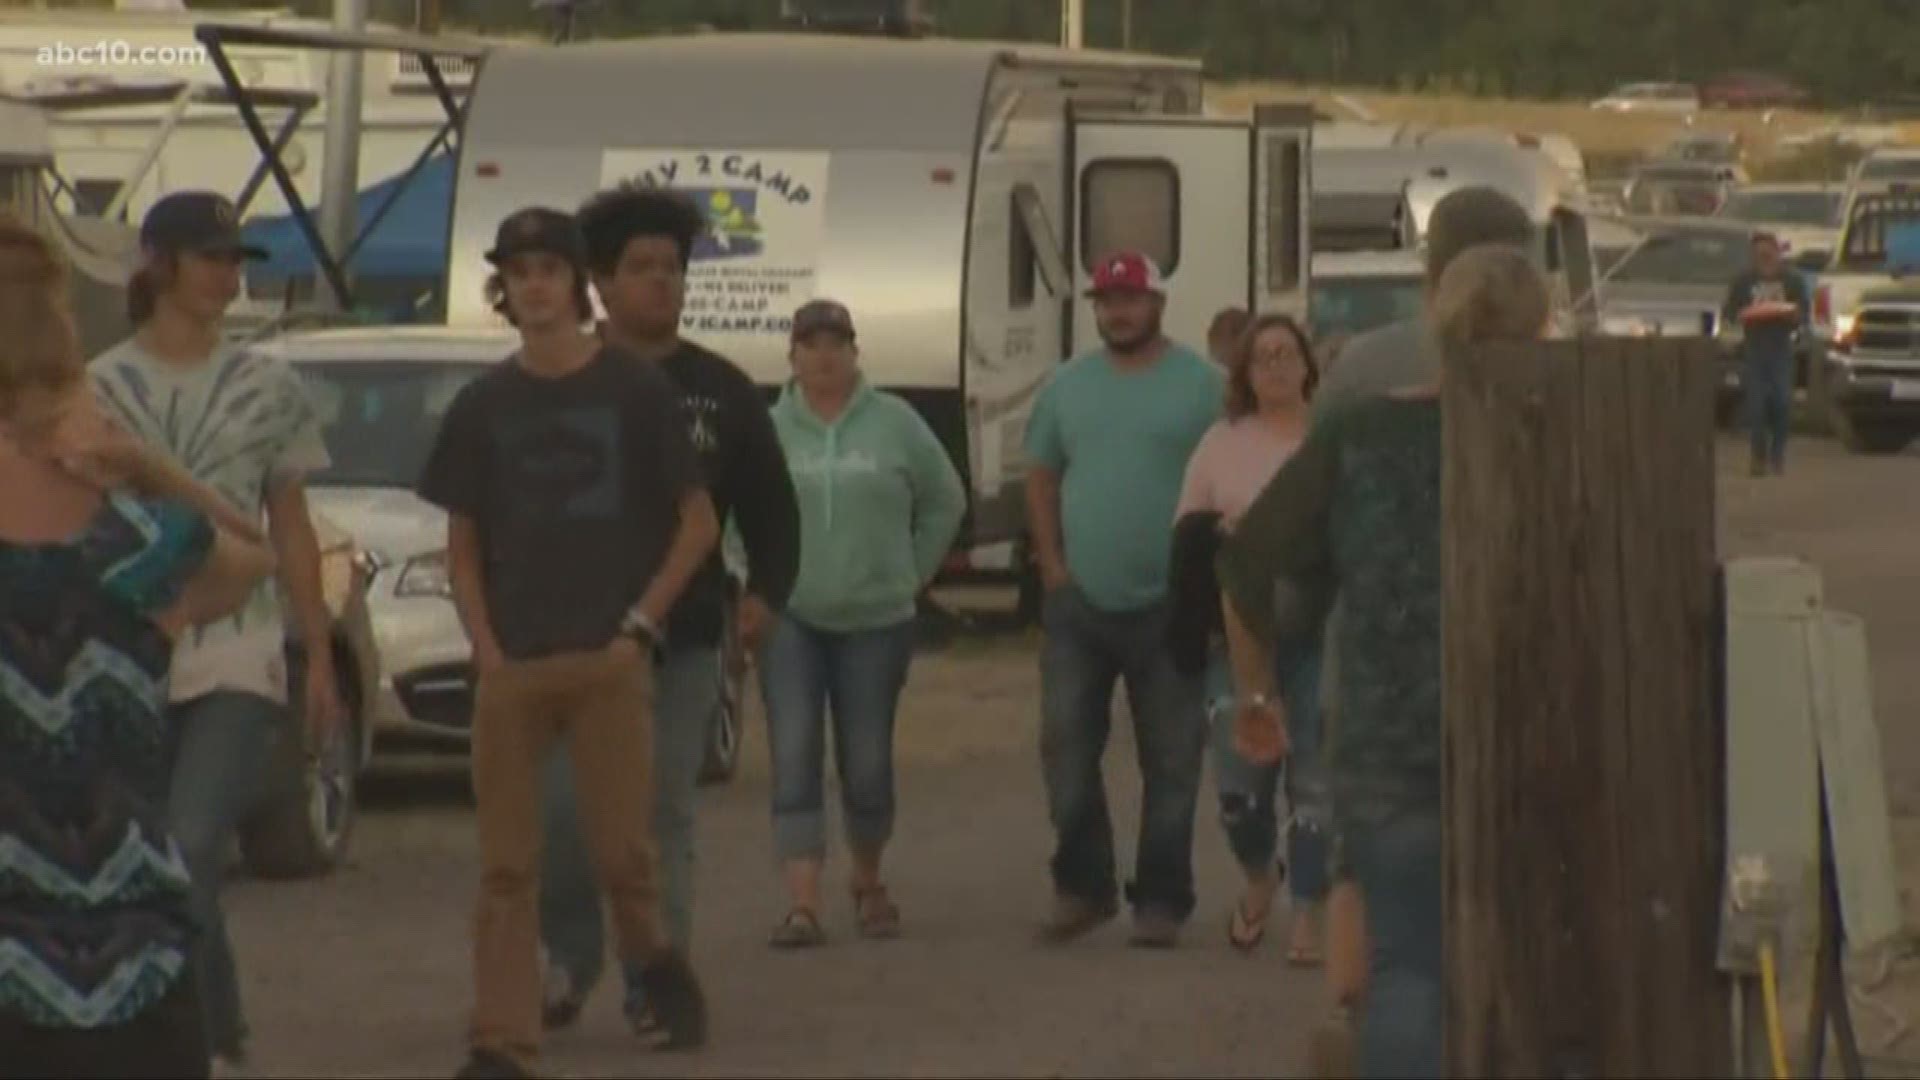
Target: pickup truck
(1873,372)
(1859,264)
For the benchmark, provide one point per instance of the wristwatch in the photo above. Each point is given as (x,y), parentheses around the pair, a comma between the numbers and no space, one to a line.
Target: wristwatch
(636,625)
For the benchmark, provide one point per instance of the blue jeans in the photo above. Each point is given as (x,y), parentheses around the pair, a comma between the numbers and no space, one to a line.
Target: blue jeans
(686,694)
(222,743)
(1396,862)
(1087,650)
(806,674)
(1247,790)
(1768,384)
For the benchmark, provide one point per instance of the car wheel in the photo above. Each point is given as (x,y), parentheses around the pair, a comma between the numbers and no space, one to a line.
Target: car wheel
(305,822)
(723,731)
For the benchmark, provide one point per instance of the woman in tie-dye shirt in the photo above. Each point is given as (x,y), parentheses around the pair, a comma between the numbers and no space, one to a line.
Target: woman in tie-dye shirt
(107,553)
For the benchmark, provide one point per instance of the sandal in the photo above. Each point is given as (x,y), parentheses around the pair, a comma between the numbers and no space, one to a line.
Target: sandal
(799,930)
(876,912)
(1245,932)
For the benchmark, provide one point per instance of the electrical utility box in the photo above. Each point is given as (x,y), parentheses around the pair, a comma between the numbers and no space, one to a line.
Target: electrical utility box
(1799,710)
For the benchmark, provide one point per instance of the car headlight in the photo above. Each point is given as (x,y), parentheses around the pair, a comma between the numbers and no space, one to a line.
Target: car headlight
(425,576)
(1843,325)
(1627,326)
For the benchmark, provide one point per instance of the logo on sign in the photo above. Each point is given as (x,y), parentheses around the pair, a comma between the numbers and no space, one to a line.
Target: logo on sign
(733,226)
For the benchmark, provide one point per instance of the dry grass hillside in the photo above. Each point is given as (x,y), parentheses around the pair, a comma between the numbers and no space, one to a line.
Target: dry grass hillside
(1605,137)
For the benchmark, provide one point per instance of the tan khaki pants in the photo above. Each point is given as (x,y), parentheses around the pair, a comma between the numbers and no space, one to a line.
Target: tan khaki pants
(601,703)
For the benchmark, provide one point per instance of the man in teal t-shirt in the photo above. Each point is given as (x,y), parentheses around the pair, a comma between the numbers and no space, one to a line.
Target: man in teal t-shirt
(1108,445)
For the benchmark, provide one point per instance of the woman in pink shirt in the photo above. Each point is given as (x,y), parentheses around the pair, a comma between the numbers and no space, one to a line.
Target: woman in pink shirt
(1271,376)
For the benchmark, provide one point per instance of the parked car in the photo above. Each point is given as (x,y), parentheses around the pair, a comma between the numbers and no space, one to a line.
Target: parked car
(1673,283)
(1687,188)
(305,822)
(1651,97)
(1357,291)
(1708,147)
(1859,264)
(1873,372)
(382,392)
(1806,217)
(1752,90)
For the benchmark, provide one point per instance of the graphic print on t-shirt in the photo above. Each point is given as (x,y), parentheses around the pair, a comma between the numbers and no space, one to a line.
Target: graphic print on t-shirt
(703,421)
(564,463)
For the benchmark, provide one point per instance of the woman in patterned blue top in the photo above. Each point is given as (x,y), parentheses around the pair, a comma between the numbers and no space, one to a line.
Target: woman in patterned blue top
(107,554)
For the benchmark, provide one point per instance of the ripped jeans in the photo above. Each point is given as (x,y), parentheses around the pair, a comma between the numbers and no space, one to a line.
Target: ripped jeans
(1249,793)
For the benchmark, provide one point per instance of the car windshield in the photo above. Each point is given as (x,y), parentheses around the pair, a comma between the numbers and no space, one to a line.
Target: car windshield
(1816,209)
(1891,168)
(1686,258)
(1354,304)
(1675,195)
(379,418)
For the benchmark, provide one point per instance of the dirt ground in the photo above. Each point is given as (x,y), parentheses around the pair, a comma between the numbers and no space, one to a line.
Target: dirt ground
(366,973)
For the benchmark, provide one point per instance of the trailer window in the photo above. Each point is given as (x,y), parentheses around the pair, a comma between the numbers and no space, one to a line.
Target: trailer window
(1286,246)
(1049,259)
(1130,204)
(1023,271)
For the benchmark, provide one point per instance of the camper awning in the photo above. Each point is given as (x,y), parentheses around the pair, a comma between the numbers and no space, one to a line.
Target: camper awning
(410,239)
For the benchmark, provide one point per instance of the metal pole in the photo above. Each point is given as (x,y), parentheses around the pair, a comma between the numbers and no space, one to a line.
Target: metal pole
(1073,23)
(340,176)
(1126,24)
(288,129)
(175,110)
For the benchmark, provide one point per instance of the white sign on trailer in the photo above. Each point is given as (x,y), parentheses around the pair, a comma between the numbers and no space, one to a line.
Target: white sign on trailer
(758,260)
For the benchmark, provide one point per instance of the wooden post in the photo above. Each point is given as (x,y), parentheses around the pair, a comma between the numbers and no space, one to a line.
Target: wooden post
(1583,758)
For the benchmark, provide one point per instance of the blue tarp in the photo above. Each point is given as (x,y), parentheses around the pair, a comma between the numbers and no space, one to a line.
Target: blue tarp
(410,241)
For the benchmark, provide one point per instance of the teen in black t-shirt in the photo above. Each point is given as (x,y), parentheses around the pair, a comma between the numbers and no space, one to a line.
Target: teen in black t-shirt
(576,516)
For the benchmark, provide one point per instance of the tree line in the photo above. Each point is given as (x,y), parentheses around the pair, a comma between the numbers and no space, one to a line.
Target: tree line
(1846,52)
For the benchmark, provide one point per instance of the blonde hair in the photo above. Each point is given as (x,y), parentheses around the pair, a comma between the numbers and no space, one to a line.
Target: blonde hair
(39,347)
(1492,292)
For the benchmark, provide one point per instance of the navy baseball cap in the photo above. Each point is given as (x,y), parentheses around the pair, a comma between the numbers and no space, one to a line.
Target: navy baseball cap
(539,228)
(204,222)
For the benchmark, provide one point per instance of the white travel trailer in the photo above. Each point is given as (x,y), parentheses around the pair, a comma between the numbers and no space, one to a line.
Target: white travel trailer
(956,195)
(1427,172)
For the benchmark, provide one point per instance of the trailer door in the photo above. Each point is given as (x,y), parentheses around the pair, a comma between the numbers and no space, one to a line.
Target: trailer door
(1178,189)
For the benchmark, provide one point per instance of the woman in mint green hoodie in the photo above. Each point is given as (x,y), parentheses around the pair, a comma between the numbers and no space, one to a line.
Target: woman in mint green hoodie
(880,504)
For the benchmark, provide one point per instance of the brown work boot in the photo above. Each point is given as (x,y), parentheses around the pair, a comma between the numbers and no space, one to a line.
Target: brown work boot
(1074,918)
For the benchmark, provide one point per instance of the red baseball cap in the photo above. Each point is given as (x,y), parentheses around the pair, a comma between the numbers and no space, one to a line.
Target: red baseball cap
(1126,271)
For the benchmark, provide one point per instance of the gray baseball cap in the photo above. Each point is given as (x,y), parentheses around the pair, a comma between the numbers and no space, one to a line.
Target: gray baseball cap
(815,316)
